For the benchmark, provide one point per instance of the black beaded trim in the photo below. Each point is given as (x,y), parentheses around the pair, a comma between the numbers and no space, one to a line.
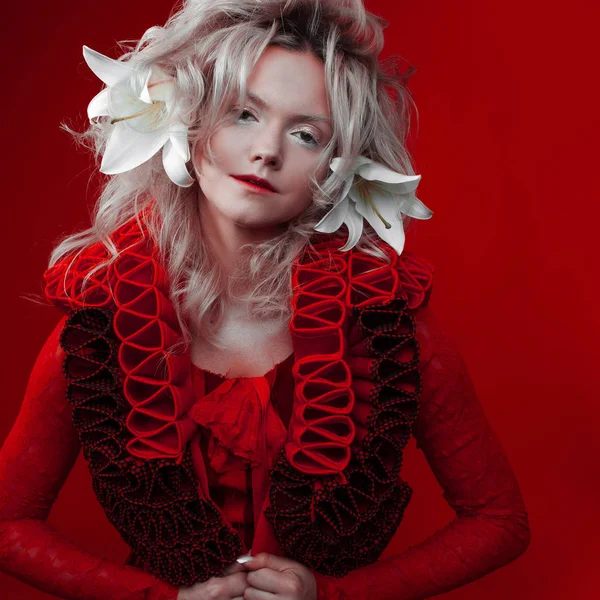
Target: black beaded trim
(154,504)
(355,521)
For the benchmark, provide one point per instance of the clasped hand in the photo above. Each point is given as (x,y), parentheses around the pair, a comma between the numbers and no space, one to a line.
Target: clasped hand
(267,577)
(271,576)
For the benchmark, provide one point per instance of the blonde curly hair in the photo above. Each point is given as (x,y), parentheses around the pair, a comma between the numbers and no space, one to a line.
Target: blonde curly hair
(210,47)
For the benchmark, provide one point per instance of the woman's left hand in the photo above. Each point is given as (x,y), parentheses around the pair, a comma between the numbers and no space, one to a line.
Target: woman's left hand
(271,576)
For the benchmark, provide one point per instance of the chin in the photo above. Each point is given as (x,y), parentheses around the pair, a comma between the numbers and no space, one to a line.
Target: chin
(258,224)
(248,221)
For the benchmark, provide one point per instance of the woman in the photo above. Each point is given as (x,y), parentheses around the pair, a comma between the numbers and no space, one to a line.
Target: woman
(239,384)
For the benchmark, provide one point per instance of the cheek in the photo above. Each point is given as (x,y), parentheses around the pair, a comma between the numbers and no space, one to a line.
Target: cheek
(303,192)
(322,173)
(221,142)
(223,145)
(304,176)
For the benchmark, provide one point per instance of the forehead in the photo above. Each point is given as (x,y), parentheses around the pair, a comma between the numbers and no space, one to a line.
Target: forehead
(290,81)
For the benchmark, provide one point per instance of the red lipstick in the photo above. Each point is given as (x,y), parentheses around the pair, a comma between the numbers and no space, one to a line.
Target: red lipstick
(256,183)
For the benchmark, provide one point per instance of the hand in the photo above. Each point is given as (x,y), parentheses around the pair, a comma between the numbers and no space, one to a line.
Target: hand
(271,576)
(230,585)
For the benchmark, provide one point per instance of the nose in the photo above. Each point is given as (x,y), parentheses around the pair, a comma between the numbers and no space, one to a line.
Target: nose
(266,148)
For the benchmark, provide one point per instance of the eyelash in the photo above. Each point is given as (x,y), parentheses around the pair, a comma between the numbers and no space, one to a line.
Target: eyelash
(312,144)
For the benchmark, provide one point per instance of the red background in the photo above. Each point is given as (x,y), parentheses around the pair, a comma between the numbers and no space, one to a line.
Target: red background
(508,104)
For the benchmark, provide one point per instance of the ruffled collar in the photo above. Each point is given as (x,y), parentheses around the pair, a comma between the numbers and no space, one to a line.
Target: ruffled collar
(335,496)
(329,285)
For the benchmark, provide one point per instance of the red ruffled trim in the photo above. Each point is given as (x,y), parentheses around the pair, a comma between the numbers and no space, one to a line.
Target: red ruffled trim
(329,285)
(336,524)
(157,382)
(159,507)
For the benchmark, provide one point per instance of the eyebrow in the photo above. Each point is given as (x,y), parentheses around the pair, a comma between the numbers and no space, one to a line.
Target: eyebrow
(301,117)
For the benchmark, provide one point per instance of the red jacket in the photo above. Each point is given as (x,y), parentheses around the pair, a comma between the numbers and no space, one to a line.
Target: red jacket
(370,368)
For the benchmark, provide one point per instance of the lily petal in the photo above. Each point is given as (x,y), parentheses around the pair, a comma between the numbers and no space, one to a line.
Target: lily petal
(335,164)
(377,172)
(174,166)
(108,70)
(98,107)
(126,107)
(161,85)
(407,186)
(128,148)
(411,206)
(179,138)
(335,218)
(387,206)
(123,104)
(354,222)
(145,95)
(347,185)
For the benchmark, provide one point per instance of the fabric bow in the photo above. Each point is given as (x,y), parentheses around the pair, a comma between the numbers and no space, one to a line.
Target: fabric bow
(242,421)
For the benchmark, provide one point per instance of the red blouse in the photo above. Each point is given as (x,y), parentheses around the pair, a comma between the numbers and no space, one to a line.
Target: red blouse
(490,529)
(230,440)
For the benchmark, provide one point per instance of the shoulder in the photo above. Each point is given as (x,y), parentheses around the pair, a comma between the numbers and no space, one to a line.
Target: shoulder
(371,279)
(415,275)
(83,276)
(412,274)
(409,274)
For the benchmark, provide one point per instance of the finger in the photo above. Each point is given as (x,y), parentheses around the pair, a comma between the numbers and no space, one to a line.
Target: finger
(235,567)
(254,594)
(235,584)
(267,580)
(270,561)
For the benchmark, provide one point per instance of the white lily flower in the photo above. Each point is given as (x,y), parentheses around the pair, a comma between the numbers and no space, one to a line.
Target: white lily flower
(139,102)
(378,194)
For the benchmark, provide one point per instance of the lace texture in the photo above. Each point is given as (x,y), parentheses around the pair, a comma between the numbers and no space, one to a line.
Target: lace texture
(491,524)
(346,518)
(154,504)
(336,497)
(157,381)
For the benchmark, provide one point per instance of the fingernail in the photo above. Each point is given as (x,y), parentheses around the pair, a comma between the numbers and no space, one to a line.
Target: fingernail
(244,559)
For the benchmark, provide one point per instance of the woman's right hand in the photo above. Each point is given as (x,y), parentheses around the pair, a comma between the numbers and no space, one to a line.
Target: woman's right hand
(228,586)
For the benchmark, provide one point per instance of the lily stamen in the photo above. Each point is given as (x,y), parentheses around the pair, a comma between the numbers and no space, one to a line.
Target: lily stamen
(365,194)
(154,109)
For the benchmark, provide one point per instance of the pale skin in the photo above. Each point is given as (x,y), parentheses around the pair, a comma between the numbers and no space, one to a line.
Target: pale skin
(266,577)
(270,140)
(279,136)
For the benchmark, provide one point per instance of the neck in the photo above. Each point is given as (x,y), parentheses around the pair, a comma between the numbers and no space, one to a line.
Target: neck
(226,237)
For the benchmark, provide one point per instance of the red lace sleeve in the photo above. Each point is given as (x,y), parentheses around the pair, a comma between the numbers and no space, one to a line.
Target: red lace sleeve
(491,526)
(36,458)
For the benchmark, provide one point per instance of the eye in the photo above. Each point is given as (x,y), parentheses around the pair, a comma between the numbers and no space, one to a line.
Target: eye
(243,116)
(307,138)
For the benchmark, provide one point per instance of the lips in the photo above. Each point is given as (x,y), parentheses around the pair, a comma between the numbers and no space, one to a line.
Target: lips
(257,181)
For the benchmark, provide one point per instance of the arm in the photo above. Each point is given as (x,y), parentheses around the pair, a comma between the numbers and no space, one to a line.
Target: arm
(35,460)
(491,525)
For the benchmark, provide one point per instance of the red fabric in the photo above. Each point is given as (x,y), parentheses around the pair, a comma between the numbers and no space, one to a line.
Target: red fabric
(327,412)
(244,423)
(327,420)
(158,382)
(356,398)
(35,460)
(465,455)
(491,527)
(331,292)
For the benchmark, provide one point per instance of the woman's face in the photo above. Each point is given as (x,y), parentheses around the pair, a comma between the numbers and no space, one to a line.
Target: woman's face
(278,136)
